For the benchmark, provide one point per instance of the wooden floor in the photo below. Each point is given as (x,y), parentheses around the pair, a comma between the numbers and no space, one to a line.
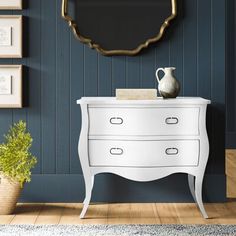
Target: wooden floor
(224,213)
(121,214)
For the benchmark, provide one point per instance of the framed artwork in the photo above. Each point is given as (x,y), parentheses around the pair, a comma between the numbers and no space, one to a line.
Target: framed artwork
(10,86)
(10,4)
(10,36)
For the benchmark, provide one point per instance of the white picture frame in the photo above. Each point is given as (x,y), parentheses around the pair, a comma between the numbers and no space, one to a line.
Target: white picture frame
(12,98)
(11,5)
(11,41)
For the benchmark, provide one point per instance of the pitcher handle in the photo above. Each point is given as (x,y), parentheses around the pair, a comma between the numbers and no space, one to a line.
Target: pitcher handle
(157,72)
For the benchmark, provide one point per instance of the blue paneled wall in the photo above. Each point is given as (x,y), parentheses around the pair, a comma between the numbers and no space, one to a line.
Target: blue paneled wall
(59,70)
(231,75)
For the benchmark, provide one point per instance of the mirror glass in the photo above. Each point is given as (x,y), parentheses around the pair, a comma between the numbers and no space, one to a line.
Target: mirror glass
(120,26)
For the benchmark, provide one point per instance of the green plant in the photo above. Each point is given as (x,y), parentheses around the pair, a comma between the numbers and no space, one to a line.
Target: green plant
(16,160)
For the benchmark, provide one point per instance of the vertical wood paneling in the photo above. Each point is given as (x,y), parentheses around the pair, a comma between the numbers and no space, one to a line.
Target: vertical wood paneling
(104,76)
(162,57)
(133,72)
(163,52)
(90,72)
(148,68)
(230,74)
(231,50)
(62,95)
(48,86)
(77,90)
(118,73)
(204,48)
(34,80)
(218,85)
(19,114)
(190,48)
(176,46)
(204,57)
(60,70)
(5,122)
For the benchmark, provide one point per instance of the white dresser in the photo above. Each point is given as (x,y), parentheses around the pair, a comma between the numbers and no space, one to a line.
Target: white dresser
(144,140)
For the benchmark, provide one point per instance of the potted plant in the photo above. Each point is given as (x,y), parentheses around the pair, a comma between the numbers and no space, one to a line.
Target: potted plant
(16,162)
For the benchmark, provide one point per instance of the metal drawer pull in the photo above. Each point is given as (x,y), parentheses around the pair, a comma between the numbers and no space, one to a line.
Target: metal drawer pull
(172,120)
(116,121)
(172,151)
(116,151)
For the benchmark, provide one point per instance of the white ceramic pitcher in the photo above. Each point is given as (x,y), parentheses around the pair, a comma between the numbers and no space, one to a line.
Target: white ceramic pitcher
(168,86)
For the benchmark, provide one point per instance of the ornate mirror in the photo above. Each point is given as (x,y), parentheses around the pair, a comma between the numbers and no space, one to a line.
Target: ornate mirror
(119,27)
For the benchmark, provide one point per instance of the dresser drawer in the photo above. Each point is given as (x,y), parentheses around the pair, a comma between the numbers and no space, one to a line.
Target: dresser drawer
(144,153)
(143,121)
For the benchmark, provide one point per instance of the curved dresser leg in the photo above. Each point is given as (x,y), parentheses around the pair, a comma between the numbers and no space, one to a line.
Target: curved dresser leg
(89,181)
(191,184)
(92,183)
(198,194)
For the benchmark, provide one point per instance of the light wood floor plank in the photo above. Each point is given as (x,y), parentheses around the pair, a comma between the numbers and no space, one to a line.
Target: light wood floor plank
(6,220)
(221,213)
(119,214)
(212,213)
(226,213)
(100,211)
(167,213)
(50,214)
(144,214)
(26,213)
(188,213)
(70,214)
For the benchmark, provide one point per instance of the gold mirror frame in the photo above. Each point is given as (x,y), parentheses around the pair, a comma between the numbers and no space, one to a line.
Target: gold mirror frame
(105,52)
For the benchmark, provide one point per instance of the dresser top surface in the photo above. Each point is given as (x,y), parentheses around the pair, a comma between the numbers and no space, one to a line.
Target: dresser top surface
(158,101)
